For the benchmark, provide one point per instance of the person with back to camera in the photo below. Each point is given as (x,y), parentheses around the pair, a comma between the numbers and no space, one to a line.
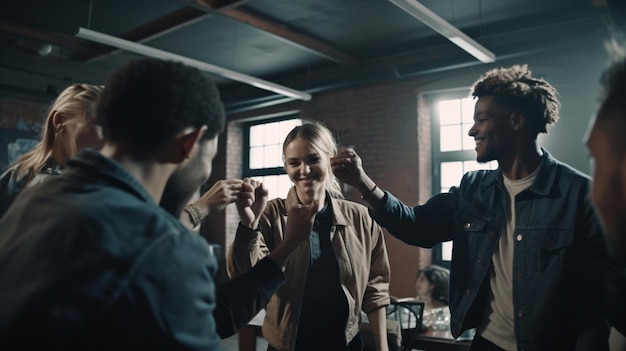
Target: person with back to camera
(69,127)
(605,142)
(107,268)
(342,269)
(529,267)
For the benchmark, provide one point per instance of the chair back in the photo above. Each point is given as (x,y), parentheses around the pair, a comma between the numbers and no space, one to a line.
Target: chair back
(409,315)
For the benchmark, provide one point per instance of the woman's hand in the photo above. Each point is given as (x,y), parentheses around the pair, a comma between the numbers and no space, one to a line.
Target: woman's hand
(251,203)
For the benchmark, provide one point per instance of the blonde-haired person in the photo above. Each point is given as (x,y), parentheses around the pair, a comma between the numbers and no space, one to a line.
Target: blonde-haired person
(70,126)
(342,269)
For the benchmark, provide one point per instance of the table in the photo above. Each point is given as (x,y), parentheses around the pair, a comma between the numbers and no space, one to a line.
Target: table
(428,340)
(439,340)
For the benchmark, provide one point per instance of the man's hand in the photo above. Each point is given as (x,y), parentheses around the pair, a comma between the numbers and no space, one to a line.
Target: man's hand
(297,229)
(348,167)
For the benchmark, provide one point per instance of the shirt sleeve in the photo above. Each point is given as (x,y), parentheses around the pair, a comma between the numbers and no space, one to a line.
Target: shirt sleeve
(423,225)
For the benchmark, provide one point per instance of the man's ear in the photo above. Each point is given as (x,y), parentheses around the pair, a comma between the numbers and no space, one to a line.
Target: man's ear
(189,139)
(518,121)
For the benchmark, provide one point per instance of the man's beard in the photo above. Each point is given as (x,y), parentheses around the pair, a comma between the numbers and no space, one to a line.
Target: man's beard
(181,186)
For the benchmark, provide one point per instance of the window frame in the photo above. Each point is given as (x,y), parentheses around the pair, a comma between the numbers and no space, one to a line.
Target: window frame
(248,172)
(438,157)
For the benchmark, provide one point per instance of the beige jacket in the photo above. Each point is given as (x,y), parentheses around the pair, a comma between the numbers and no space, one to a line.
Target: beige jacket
(359,246)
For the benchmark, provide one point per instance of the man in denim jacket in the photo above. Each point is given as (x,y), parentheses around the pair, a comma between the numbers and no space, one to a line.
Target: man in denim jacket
(88,259)
(529,265)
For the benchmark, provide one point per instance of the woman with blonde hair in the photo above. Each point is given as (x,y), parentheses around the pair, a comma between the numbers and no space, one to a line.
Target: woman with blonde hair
(70,126)
(342,269)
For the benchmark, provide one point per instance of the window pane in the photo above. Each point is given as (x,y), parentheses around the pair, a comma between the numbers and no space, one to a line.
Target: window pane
(472,166)
(277,185)
(273,156)
(256,135)
(256,157)
(273,134)
(446,251)
(449,112)
(468,141)
(285,127)
(467,110)
(451,173)
(450,138)
(284,184)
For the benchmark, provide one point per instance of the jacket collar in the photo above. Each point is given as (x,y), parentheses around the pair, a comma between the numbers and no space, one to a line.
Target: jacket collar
(338,217)
(544,179)
(106,170)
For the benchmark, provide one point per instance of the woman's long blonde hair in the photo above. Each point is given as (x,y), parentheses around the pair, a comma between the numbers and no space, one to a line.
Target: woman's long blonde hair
(322,140)
(76,101)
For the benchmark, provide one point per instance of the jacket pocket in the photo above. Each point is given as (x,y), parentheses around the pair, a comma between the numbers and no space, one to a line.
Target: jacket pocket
(552,248)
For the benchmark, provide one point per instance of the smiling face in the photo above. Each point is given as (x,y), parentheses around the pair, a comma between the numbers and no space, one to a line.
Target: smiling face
(307,169)
(608,190)
(491,130)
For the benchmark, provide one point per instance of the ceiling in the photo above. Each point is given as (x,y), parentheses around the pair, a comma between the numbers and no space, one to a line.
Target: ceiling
(308,45)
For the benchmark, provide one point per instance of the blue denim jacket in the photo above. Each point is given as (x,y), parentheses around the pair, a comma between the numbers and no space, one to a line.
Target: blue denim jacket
(560,255)
(88,261)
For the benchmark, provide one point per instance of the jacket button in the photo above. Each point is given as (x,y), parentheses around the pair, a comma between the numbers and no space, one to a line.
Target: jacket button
(467,292)
(519,274)
(520,313)
(479,263)
(492,232)
(519,237)
(467,225)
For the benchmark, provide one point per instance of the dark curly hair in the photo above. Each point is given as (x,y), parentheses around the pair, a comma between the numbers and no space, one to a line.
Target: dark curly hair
(149,101)
(440,278)
(516,88)
(612,114)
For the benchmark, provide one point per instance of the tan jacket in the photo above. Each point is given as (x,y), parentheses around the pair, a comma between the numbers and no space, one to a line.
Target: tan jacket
(359,246)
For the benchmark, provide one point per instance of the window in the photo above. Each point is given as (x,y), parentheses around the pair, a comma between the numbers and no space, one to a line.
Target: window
(263,141)
(452,150)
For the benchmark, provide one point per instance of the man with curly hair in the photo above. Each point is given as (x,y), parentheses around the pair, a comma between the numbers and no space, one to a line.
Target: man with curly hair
(529,261)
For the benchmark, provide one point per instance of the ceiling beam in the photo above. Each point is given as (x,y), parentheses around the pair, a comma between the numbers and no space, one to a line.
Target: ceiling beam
(168,23)
(53,38)
(278,30)
(151,30)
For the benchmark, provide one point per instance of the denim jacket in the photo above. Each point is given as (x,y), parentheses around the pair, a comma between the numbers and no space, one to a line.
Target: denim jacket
(560,264)
(89,261)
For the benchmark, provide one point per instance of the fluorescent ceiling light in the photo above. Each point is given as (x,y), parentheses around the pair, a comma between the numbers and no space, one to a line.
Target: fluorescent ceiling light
(141,49)
(444,28)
